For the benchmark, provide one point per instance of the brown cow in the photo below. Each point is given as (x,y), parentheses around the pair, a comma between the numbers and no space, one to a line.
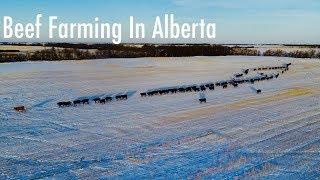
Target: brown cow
(20,108)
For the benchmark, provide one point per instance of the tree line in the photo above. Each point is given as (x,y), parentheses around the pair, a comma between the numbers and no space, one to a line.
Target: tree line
(295,54)
(67,51)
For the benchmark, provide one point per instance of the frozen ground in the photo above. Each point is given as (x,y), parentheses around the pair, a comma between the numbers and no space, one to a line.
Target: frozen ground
(237,133)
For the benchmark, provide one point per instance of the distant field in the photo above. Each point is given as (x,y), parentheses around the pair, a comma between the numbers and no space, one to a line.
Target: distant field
(236,134)
(264,48)
(22,48)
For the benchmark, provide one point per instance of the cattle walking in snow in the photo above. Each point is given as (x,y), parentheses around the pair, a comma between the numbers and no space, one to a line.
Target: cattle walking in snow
(121,97)
(202,88)
(19,108)
(85,101)
(96,100)
(64,104)
(224,86)
(102,101)
(211,88)
(258,91)
(76,102)
(235,84)
(202,98)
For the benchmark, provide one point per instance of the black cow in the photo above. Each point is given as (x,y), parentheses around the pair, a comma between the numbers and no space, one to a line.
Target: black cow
(96,100)
(194,88)
(68,103)
(258,91)
(173,90)
(202,100)
(209,85)
(19,108)
(202,88)
(224,86)
(122,97)
(211,88)
(164,91)
(85,101)
(143,94)
(161,92)
(155,92)
(64,104)
(188,89)
(238,75)
(246,71)
(76,102)
(221,83)
(118,97)
(102,101)
(181,89)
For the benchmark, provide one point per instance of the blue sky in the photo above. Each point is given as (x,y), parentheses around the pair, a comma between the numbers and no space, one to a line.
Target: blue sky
(238,21)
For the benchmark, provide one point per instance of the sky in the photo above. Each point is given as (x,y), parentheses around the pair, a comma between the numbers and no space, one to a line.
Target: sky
(237,21)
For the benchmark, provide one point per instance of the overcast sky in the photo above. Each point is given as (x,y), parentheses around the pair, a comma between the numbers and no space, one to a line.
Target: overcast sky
(238,21)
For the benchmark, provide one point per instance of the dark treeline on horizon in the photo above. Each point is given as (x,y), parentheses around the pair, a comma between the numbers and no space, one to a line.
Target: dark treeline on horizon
(65,51)
(295,54)
(68,51)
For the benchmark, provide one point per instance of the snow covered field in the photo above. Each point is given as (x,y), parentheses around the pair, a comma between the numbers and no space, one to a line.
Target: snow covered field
(237,133)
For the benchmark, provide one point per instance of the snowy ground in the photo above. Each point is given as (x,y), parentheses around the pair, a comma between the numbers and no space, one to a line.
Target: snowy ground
(237,133)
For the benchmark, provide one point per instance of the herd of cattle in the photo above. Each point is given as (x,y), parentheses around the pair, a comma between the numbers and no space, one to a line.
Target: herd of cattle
(96,100)
(237,79)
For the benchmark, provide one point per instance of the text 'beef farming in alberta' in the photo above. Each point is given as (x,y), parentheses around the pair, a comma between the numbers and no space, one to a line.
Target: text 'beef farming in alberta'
(164,27)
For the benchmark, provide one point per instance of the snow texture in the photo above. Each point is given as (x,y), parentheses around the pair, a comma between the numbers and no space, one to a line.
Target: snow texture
(236,134)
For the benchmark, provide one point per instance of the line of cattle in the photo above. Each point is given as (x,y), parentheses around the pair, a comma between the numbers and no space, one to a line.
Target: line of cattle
(192,88)
(224,84)
(96,100)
